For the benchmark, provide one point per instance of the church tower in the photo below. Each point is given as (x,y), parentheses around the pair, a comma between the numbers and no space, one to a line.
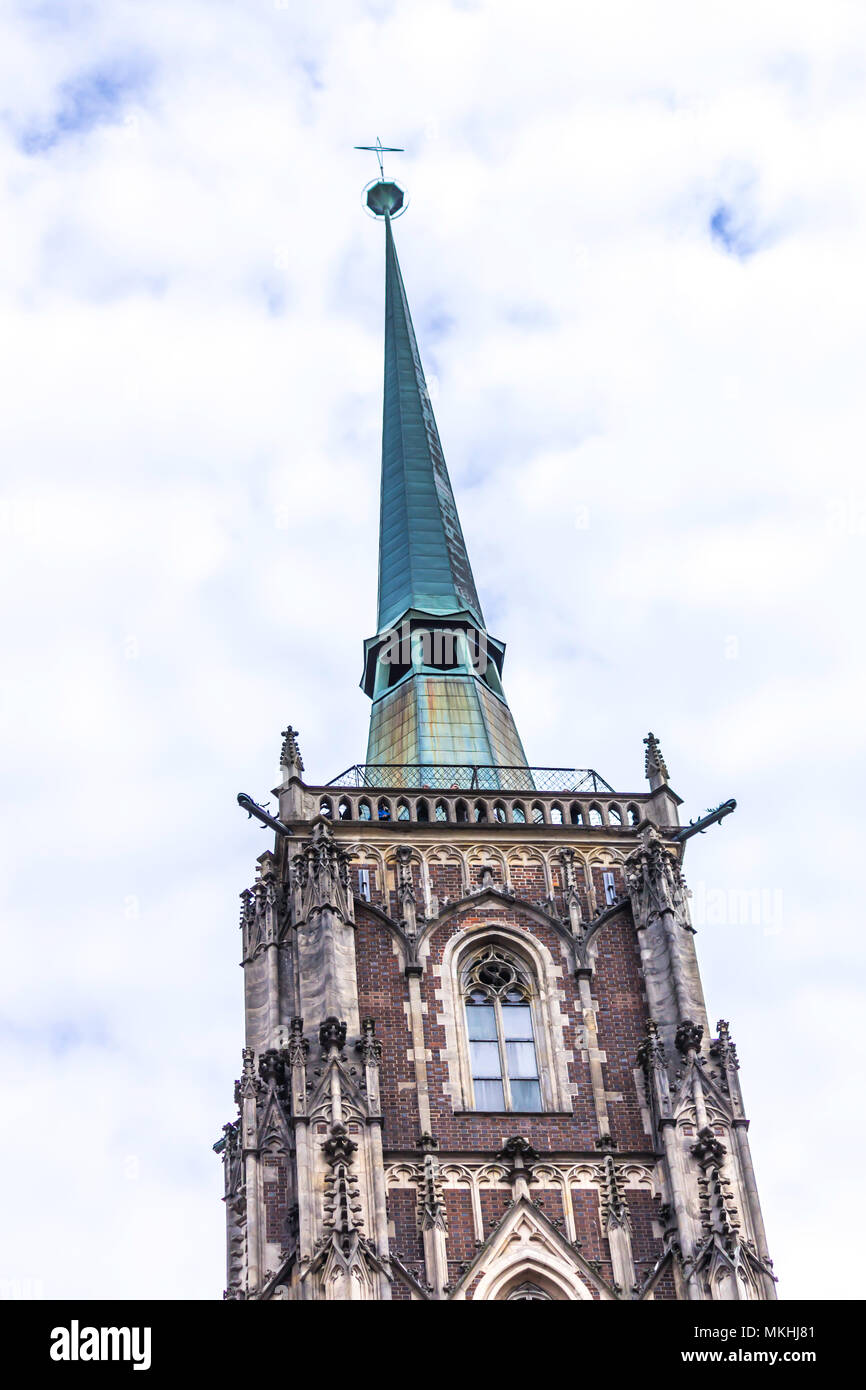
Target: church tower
(478,1062)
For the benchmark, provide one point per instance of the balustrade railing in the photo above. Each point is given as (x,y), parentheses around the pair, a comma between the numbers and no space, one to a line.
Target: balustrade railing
(472,777)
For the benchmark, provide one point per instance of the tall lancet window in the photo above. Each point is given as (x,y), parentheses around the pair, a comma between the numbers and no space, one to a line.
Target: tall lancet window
(501,1037)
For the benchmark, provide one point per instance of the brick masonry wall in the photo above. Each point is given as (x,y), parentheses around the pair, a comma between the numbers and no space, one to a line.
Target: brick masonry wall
(587,1224)
(528,882)
(382,995)
(666,1288)
(550,1200)
(461,1228)
(622,1020)
(494,1202)
(646,1246)
(275,1194)
(445,881)
(406,1241)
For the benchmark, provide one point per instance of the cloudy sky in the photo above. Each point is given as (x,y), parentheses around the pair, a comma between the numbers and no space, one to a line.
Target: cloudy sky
(634,253)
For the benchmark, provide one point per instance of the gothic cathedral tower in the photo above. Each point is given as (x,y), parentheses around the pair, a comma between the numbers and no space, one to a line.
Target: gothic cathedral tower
(478,1062)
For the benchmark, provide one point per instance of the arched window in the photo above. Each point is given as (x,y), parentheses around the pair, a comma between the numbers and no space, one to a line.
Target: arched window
(537,813)
(633,815)
(462,811)
(556,814)
(441,810)
(614,815)
(595,816)
(481,812)
(501,1037)
(526,1292)
(364,812)
(518,815)
(325,807)
(384,809)
(402,810)
(530,1016)
(575,814)
(499,812)
(422,811)
(345,810)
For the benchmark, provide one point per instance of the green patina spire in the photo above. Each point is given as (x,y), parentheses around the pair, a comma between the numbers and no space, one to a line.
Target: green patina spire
(432,670)
(423,562)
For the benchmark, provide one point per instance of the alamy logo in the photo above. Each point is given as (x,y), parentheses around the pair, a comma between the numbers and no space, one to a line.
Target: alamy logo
(441,646)
(75,1343)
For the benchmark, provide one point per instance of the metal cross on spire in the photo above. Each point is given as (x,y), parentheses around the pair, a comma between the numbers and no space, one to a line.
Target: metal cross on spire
(378,150)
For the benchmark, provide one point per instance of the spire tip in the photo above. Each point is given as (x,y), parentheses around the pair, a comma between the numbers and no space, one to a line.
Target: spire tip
(384,198)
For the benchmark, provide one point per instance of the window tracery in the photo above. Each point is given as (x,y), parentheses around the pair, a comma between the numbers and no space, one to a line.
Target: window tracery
(526,1292)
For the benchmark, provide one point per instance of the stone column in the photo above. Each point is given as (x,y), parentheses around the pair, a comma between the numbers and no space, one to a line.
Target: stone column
(419,1050)
(246,1094)
(617,1227)
(584,975)
(370,1049)
(323,916)
(432,1219)
(660,911)
(652,1057)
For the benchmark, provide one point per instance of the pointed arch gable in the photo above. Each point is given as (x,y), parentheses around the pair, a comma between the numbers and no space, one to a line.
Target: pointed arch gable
(555,1283)
(717,1104)
(495,897)
(273,1129)
(527,1248)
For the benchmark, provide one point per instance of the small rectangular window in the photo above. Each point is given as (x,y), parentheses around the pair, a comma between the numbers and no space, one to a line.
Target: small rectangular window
(364,884)
(526,1095)
(485,1059)
(517,1022)
(481,1021)
(489,1095)
(610,894)
(521,1060)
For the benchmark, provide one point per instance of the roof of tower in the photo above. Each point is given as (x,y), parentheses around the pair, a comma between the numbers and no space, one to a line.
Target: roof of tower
(423,562)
